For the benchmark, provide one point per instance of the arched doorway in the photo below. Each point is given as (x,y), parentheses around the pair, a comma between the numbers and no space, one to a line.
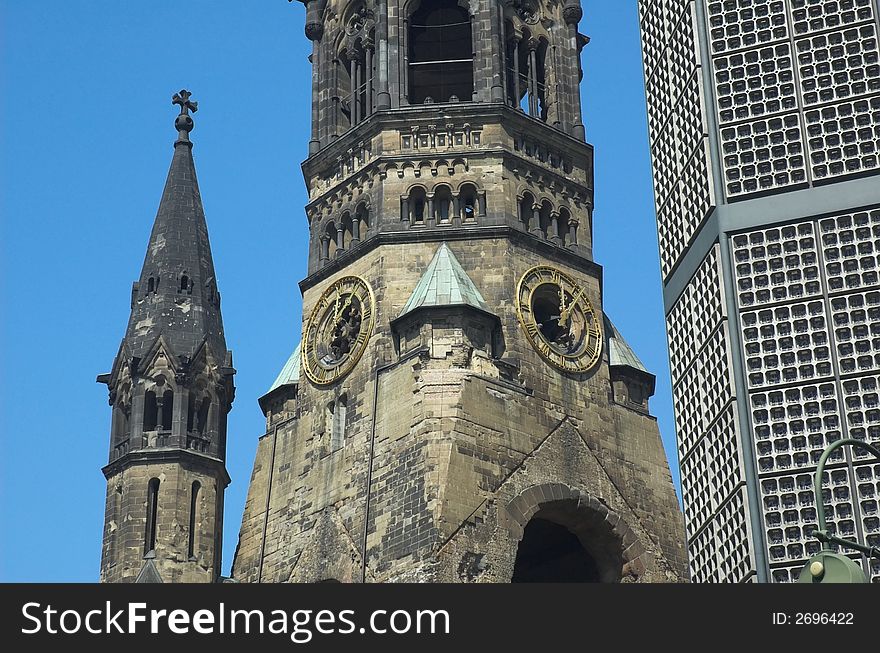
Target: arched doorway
(550,553)
(568,539)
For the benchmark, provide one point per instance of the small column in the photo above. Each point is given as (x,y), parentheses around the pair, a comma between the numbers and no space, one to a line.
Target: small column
(481,203)
(137,417)
(501,45)
(404,76)
(456,211)
(430,219)
(383,97)
(325,248)
(355,230)
(340,239)
(516,95)
(554,228)
(404,209)
(573,233)
(314,31)
(572,13)
(536,221)
(369,77)
(180,415)
(337,102)
(352,76)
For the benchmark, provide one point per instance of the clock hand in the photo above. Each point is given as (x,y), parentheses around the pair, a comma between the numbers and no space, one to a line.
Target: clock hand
(567,312)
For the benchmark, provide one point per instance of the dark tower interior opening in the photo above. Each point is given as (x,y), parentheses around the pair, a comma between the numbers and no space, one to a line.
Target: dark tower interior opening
(547,309)
(550,553)
(193,522)
(441,53)
(152,514)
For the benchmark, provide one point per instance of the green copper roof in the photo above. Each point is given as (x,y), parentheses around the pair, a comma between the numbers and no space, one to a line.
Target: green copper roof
(445,283)
(619,352)
(290,372)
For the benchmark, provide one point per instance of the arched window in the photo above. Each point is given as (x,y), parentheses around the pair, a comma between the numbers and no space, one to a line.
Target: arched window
(347,230)
(417,203)
(166,408)
(354,68)
(527,87)
(202,416)
(443,204)
(193,522)
(467,199)
(337,428)
(152,515)
(361,222)
(151,411)
(440,53)
(526,210)
(329,243)
(151,285)
(184,284)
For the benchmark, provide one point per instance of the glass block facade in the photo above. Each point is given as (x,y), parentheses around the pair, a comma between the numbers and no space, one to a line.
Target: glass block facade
(764,125)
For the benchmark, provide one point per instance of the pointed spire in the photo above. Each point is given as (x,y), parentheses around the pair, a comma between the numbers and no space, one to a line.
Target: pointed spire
(177,295)
(444,283)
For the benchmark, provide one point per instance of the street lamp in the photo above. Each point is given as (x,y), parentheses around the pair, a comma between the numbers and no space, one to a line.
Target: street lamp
(828,566)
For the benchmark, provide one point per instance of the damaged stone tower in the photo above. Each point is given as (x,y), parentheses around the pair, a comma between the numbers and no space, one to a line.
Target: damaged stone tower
(459,408)
(170,390)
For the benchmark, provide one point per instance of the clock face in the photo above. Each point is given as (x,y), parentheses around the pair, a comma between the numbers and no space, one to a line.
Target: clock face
(338,329)
(559,319)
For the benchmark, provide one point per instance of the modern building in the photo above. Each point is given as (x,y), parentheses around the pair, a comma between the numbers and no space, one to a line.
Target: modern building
(764,124)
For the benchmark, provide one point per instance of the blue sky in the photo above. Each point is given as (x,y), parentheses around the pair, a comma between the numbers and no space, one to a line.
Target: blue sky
(87,132)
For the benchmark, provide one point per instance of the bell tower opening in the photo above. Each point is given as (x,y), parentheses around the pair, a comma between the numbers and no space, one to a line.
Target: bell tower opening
(441,53)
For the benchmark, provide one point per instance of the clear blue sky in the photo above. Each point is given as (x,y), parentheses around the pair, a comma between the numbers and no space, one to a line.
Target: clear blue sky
(86,143)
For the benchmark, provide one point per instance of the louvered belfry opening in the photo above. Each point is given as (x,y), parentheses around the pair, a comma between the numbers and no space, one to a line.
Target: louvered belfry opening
(441,54)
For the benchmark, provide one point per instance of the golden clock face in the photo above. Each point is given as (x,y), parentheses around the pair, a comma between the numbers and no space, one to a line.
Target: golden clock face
(338,329)
(559,319)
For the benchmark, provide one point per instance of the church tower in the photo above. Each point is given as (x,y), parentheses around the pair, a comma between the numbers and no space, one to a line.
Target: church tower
(460,409)
(170,391)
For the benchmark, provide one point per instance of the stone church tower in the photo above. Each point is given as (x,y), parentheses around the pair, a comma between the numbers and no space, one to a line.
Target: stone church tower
(460,408)
(170,390)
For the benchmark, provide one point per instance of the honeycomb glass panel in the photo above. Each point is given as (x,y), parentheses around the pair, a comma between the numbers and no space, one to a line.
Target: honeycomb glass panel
(793,426)
(786,344)
(776,265)
(739,24)
(851,249)
(844,139)
(839,65)
(868,497)
(696,314)
(856,320)
(755,83)
(862,405)
(790,515)
(763,155)
(810,16)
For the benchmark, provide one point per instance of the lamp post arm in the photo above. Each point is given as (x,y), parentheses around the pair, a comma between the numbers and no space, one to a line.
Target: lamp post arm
(820,502)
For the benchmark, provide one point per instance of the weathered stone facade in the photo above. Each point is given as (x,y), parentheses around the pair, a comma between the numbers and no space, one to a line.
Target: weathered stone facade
(170,390)
(456,434)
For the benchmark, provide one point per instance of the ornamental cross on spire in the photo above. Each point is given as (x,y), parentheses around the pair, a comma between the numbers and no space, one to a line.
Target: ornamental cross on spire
(182,99)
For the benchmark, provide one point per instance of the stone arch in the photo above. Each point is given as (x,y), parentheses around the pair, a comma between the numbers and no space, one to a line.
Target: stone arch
(601,530)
